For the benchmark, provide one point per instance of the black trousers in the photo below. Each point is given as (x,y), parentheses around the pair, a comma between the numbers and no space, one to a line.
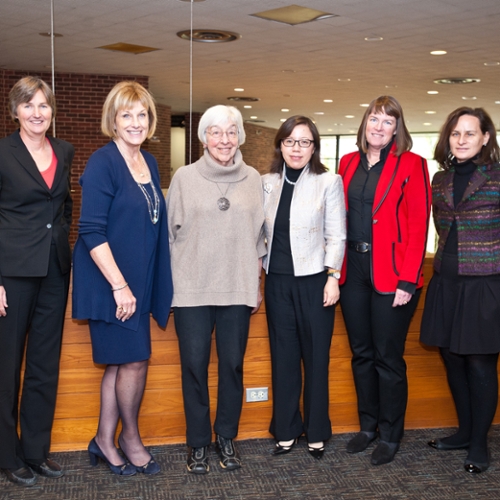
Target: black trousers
(377,335)
(194,326)
(300,333)
(34,320)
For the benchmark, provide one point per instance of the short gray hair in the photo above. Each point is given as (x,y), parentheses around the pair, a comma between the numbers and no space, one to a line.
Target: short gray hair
(218,115)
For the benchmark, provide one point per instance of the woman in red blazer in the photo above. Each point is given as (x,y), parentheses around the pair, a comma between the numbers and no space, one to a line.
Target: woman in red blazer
(387,195)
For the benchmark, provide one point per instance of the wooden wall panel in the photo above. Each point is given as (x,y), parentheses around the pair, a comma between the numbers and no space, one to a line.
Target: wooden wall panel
(162,417)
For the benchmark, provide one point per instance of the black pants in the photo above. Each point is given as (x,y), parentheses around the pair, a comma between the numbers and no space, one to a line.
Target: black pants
(194,326)
(300,332)
(37,305)
(377,335)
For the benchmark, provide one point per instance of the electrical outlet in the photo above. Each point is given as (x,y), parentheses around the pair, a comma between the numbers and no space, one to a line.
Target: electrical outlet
(256,394)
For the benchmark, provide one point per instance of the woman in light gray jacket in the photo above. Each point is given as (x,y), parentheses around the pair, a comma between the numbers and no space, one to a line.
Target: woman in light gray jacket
(305,230)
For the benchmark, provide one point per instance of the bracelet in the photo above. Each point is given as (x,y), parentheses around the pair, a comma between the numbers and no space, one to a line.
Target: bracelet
(119,288)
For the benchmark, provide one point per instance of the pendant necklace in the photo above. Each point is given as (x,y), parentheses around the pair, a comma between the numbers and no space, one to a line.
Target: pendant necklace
(223,202)
(153,206)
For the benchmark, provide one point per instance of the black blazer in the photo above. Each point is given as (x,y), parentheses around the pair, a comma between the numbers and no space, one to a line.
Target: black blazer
(32,216)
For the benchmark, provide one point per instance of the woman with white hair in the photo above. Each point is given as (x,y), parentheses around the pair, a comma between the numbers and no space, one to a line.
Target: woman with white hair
(215,217)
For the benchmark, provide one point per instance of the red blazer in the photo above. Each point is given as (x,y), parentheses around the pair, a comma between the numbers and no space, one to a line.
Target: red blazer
(400,219)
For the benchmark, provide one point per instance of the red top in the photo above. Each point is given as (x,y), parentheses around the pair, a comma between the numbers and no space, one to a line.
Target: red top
(400,219)
(49,174)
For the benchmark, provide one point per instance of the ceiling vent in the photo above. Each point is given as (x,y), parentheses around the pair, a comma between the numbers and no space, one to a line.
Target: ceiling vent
(209,36)
(456,81)
(238,98)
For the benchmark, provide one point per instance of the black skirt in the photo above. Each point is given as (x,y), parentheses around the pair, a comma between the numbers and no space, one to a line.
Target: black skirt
(462,313)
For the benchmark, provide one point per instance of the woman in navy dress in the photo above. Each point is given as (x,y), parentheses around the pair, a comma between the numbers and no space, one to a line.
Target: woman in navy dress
(122,270)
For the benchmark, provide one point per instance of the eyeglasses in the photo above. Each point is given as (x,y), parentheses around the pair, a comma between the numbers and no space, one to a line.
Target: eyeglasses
(290,143)
(217,134)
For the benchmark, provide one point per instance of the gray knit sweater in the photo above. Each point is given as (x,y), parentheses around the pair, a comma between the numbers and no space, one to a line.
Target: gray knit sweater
(214,253)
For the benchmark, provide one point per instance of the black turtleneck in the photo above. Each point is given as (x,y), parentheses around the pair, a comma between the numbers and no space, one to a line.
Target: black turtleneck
(461,178)
(281,261)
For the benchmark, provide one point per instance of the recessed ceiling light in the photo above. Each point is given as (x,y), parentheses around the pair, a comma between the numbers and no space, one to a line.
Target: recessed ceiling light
(469,98)
(343,79)
(247,106)
(430,112)
(282,119)
(285,110)
(191,0)
(45,33)
(319,113)
(391,86)
(327,100)
(239,90)
(209,35)
(427,124)
(432,92)
(374,38)
(253,118)
(352,131)
(364,105)
(329,130)
(497,102)
(349,116)
(438,52)
(492,63)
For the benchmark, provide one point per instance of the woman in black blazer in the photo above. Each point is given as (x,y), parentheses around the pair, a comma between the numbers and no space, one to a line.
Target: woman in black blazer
(35,263)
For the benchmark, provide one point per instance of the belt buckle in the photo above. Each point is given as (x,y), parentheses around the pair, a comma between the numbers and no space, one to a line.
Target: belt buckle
(362,247)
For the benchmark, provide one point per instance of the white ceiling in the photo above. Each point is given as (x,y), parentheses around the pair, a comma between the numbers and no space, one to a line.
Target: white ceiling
(322,54)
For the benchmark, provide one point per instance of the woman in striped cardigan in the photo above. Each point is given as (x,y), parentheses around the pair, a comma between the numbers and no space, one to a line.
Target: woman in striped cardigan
(462,307)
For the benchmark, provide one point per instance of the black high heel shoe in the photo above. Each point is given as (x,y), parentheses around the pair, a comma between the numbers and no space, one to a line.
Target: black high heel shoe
(316,453)
(283,450)
(95,453)
(150,468)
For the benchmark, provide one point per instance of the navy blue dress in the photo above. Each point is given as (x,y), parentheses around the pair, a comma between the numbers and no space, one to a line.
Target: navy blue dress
(115,210)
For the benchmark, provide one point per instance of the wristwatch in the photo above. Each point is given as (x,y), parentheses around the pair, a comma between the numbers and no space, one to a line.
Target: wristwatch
(334,273)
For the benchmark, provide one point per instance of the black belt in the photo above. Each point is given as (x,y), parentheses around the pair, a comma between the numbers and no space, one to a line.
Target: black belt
(359,246)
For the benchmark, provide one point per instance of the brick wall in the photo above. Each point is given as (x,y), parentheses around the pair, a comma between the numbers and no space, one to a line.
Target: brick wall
(79,100)
(258,148)
(161,150)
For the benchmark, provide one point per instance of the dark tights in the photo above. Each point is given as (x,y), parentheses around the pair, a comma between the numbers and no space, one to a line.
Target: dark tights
(122,389)
(473,381)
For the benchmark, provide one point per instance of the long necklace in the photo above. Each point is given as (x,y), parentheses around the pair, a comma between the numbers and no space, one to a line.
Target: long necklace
(223,202)
(153,207)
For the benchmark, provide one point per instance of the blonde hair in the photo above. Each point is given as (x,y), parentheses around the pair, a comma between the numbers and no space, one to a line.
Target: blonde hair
(122,96)
(24,90)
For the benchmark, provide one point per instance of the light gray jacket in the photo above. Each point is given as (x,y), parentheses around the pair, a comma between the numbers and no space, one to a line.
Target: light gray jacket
(317,220)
